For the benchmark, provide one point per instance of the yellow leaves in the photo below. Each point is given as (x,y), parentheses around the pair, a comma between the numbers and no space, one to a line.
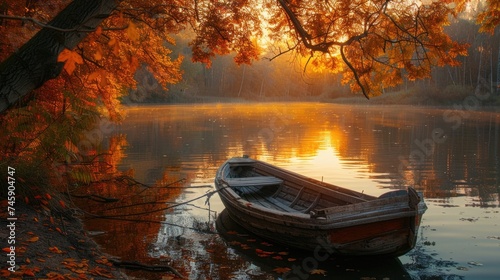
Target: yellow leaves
(70,59)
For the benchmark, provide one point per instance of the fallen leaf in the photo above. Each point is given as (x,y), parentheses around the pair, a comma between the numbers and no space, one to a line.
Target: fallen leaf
(4,273)
(101,272)
(62,204)
(55,250)
(278,257)
(33,239)
(48,196)
(6,249)
(283,253)
(27,260)
(318,272)
(291,259)
(282,270)
(28,272)
(55,276)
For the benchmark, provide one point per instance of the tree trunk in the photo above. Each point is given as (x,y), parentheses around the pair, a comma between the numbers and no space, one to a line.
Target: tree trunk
(36,61)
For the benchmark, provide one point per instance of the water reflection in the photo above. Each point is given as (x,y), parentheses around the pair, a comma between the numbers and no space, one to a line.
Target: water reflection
(369,149)
(285,263)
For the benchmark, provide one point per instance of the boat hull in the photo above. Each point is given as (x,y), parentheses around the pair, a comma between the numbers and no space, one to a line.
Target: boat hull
(385,226)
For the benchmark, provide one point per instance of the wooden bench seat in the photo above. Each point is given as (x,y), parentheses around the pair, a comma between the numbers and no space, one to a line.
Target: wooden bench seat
(253,181)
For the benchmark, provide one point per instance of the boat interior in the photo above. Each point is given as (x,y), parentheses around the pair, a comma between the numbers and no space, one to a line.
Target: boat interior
(278,189)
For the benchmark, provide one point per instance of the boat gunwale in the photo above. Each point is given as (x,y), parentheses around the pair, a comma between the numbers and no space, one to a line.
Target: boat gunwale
(336,216)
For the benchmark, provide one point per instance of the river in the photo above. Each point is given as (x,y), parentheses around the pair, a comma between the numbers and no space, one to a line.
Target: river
(452,157)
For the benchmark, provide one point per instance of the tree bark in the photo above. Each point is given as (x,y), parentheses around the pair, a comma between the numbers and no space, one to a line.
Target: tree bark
(36,61)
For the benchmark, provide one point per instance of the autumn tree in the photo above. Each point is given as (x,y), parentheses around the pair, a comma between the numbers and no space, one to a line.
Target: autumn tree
(375,42)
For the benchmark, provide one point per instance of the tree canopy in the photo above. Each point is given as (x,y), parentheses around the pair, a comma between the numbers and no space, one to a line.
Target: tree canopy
(374,43)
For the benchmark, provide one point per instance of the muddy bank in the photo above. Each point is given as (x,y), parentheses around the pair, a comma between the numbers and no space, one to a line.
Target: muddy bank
(40,245)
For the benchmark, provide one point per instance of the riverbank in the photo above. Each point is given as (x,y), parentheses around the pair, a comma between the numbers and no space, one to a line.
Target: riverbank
(50,246)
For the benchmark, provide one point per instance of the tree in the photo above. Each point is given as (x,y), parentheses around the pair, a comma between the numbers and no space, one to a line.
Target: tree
(375,42)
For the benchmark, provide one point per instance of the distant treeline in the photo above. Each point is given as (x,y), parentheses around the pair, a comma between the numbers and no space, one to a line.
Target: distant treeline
(287,78)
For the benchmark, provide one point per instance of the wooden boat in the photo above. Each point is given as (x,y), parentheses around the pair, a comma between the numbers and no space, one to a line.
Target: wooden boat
(300,212)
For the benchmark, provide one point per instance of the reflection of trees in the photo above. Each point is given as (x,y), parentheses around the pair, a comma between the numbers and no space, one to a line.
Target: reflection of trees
(467,162)
(127,204)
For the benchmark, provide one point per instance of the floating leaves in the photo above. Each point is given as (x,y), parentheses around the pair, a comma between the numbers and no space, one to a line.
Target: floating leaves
(282,270)
(33,239)
(318,272)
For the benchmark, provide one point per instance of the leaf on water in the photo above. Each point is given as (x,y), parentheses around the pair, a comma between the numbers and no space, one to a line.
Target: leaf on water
(282,270)
(4,273)
(28,272)
(318,272)
(33,239)
(55,250)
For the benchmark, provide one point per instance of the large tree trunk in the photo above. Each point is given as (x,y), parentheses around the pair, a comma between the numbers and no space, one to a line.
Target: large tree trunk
(36,61)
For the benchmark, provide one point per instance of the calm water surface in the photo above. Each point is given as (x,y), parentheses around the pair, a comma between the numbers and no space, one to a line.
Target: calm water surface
(453,157)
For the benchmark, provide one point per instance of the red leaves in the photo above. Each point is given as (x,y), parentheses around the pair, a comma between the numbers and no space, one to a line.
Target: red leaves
(263,254)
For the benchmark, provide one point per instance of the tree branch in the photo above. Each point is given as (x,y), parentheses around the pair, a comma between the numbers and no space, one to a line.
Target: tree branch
(76,29)
(356,76)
